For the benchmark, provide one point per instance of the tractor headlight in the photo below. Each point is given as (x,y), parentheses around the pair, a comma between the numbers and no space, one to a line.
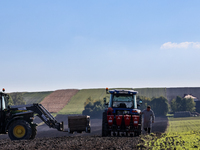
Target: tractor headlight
(136,111)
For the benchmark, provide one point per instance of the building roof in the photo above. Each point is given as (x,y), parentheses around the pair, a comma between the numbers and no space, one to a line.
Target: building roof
(190,96)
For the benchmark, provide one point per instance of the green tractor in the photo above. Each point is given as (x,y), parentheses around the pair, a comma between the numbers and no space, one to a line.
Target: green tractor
(17,121)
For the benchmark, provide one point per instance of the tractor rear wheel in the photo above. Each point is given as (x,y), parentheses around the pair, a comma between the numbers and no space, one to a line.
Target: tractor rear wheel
(104,125)
(139,127)
(19,130)
(139,130)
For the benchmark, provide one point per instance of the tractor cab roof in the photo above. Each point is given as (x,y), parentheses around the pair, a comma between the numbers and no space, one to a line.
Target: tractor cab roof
(3,94)
(123,92)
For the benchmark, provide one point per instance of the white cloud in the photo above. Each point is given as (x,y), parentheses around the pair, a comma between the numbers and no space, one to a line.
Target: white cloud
(185,45)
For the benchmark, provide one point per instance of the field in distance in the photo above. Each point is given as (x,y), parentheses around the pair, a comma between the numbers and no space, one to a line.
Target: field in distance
(35,97)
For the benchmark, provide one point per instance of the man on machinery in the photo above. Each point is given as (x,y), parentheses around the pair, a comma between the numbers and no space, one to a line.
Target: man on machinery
(149,118)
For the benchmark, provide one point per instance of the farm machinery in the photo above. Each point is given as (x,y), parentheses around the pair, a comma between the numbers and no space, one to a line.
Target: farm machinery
(17,121)
(122,116)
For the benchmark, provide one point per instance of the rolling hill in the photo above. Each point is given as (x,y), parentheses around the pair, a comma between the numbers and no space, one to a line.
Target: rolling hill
(35,97)
(58,99)
(76,104)
(72,101)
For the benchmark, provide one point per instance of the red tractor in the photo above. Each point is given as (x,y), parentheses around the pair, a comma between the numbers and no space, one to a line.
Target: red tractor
(122,117)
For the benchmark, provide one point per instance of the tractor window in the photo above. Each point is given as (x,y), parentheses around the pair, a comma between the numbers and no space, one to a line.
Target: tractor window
(3,103)
(122,98)
(123,101)
(0,102)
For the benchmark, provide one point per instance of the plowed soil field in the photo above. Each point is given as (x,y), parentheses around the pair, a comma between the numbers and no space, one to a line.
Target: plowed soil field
(74,143)
(58,99)
(48,138)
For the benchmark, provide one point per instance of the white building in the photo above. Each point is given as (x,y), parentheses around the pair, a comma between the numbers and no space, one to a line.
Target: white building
(190,96)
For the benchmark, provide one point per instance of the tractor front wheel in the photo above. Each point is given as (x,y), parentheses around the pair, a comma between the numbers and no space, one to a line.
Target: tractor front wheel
(19,130)
(34,132)
(104,125)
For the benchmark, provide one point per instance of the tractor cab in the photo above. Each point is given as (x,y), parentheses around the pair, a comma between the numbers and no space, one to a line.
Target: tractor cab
(3,100)
(3,106)
(123,102)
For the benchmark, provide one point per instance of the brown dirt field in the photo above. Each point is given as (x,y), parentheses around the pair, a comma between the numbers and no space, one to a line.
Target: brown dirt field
(48,138)
(74,143)
(58,99)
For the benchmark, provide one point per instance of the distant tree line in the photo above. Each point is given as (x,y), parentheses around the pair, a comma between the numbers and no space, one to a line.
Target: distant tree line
(182,104)
(93,108)
(159,105)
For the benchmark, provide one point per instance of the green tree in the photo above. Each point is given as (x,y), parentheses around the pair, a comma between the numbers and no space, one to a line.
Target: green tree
(87,111)
(94,108)
(189,104)
(182,104)
(89,105)
(88,100)
(174,105)
(160,106)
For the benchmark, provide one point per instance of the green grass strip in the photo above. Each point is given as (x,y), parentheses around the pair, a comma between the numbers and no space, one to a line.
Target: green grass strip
(182,133)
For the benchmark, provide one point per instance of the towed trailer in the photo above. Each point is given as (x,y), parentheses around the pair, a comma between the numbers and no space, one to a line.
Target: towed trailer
(79,123)
(17,121)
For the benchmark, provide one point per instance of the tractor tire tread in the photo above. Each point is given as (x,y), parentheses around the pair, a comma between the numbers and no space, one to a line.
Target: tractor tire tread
(23,123)
(34,132)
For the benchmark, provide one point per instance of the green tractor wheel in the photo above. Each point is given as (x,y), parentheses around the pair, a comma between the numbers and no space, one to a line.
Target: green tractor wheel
(19,130)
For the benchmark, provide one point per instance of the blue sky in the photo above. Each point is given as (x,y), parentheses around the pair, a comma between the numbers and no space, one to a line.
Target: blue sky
(50,45)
